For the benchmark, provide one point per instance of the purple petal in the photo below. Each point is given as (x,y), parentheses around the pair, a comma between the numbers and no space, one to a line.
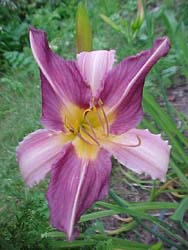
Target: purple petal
(141,151)
(94,66)
(124,85)
(63,76)
(51,107)
(75,185)
(37,153)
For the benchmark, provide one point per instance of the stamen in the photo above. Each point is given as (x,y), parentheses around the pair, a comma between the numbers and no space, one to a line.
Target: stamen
(85,113)
(105,117)
(87,133)
(82,138)
(93,107)
(68,126)
(88,122)
(100,120)
(90,127)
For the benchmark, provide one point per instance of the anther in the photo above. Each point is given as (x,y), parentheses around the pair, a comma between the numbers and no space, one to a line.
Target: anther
(86,112)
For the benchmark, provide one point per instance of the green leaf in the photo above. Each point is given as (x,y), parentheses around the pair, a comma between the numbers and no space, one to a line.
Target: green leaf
(136,206)
(163,120)
(96,215)
(139,216)
(76,243)
(157,246)
(117,243)
(179,173)
(108,21)
(104,245)
(83,29)
(180,211)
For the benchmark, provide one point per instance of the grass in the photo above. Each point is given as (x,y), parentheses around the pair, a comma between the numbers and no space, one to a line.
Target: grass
(20,108)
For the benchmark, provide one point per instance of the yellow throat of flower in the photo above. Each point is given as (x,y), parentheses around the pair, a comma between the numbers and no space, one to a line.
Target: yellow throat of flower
(86,127)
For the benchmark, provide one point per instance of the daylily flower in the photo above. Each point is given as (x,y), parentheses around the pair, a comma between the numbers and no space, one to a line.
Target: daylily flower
(89,113)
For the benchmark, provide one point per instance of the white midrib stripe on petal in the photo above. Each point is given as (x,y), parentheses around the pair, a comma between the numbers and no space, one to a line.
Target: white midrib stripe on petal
(137,75)
(83,171)
(93,87)
(42,68)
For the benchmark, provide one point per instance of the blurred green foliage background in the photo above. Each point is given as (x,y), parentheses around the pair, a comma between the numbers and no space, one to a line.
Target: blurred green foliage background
(24,213)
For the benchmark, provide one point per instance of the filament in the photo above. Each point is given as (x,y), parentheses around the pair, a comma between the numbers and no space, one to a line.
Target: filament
(91,128)
(105,117)
(86,128)
(68,126)
(100,120)
(88,122)
(87,133)
(82,138)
